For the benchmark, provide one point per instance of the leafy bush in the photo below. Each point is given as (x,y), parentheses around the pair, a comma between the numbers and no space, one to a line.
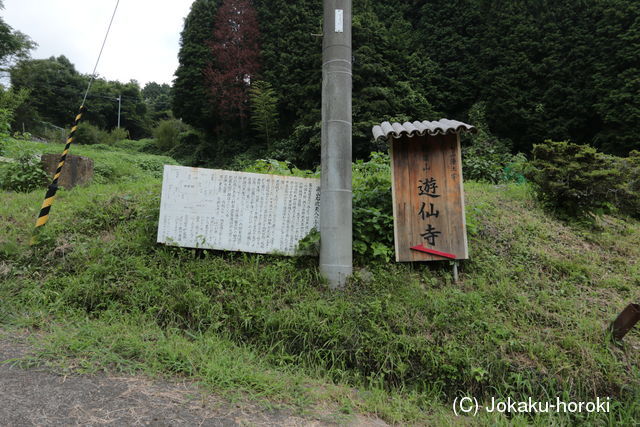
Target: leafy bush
(486,158)
(301,146)
(628,199)
(116,135)
(22,136)
(191,148)
(23,176)
(5,120)
(167,134)
(153,165)
(10,100)
(276,167)
(3,145)
(575,179)
(485,163)
(103,173)
(247,162)
(88,134)
(373,209)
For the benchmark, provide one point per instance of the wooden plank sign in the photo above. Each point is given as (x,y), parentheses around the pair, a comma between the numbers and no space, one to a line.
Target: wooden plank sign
(428,199)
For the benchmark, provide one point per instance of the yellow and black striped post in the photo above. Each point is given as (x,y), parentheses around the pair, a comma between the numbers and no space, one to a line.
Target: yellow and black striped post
(43,218)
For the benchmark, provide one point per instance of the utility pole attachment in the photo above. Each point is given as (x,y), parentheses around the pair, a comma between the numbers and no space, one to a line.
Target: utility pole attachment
(336,222)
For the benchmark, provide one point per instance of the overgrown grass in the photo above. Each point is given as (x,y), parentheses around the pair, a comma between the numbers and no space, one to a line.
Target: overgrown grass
(527,319)
(111,164)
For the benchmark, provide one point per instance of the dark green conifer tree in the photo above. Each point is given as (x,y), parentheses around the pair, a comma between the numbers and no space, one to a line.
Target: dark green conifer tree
(561,69)
(191,99)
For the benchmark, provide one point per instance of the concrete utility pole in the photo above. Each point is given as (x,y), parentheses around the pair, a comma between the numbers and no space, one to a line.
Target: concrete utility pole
(119,99)
(336,222)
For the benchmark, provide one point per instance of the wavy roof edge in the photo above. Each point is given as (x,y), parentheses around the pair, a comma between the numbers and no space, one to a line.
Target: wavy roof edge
(386,130)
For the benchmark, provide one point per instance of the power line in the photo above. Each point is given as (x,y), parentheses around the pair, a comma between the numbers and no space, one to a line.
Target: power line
(93,75)
(43,216)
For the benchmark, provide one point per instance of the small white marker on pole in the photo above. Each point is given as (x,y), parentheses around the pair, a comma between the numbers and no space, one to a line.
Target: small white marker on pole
(339,21)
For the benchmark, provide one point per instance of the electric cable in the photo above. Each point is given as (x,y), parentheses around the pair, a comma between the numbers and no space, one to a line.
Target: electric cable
(104,42)
(49,198)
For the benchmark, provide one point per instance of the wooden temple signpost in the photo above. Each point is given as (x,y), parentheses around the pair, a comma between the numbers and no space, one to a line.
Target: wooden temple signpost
(428,195)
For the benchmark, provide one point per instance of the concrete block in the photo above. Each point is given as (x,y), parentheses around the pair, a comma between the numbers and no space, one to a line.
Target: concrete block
(78,170)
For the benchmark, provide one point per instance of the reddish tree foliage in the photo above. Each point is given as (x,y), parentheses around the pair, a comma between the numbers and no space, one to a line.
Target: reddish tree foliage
(235,49)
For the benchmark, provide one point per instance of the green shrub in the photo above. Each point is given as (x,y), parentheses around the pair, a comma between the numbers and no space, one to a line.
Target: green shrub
(276,167)
(167,134)
(629,198)
(373,209)
(5,120)
(486,163)
(88,134)
(103,173)
(10,100)
(486,158)
(22,136)
(247,162)
(116,135)
(191,148)
(23,176)
(301,146)
(575,180)
(3,145)
(153,165)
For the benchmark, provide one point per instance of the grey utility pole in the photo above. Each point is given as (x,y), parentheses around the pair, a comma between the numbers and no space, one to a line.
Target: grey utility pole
(336,222)
(119,99)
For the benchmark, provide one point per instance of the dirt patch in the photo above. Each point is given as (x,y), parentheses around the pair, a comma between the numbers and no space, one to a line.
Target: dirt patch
(5,269)
(61,250)
(108,236)
(41,397)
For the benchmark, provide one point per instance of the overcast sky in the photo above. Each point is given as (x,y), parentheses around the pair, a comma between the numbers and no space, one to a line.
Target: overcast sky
(143,43)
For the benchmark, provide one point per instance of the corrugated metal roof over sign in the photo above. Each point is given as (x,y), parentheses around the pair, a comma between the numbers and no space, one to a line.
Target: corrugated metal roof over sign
(387,130)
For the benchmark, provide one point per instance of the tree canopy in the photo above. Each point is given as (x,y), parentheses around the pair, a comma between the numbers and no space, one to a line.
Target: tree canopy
(541,69)
(561,69)
(14,45)
(235,58)
(158,98)
(191,100)
(56,90)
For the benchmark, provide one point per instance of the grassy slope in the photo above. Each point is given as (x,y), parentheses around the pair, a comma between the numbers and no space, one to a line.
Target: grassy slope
(110,164)
(528,317)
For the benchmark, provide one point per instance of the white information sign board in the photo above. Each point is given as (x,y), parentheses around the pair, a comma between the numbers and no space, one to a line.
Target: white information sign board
(236,211)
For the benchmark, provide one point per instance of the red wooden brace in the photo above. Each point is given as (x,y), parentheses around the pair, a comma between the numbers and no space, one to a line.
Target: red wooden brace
(421,248)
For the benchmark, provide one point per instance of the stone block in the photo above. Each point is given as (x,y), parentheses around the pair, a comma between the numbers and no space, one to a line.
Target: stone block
(78,170)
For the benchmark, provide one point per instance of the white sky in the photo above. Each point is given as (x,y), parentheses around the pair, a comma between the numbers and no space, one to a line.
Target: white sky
(143,43)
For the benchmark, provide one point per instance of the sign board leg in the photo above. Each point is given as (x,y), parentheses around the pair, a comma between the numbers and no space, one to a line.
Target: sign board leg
(455,272)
